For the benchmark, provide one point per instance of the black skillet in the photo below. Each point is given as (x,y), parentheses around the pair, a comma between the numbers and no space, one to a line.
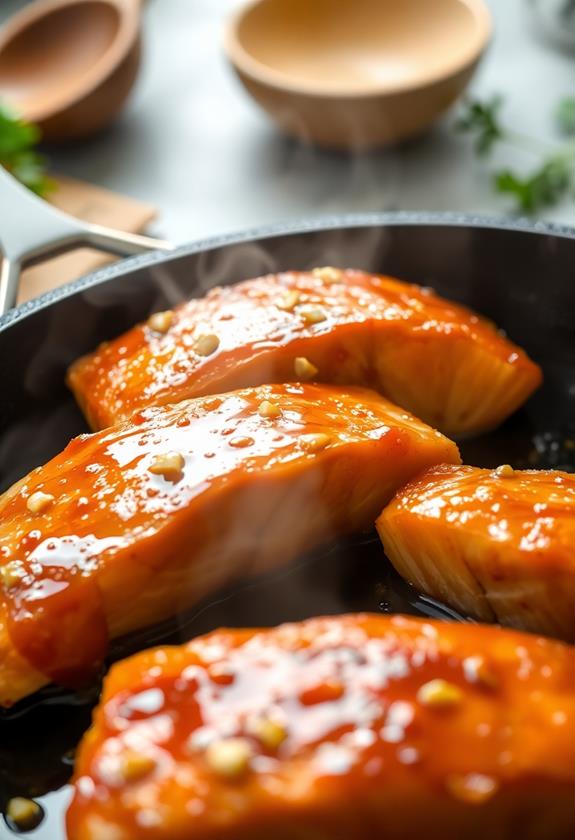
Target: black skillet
(518,274)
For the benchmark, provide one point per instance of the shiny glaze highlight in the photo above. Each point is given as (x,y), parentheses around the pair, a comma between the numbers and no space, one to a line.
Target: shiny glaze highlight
(139,522)
(368,747)
(425,353)
(497,544)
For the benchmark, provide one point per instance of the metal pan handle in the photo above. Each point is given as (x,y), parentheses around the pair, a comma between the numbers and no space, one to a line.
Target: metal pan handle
(31,231)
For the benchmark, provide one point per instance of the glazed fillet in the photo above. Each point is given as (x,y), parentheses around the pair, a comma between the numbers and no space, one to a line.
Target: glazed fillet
(348,728)
(433,357)
(496,544)
(132,525)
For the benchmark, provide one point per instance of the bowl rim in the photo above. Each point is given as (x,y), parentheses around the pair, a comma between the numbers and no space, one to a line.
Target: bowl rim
(245,63)
(122,43)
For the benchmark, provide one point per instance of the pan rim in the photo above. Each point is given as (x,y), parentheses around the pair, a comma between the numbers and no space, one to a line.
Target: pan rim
(303,224)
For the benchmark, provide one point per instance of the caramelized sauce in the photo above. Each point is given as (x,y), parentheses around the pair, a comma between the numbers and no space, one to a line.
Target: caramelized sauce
(340,326)
(347,576)
(365,707)
(123,504)
(58,595)
(350,576)
(497,544)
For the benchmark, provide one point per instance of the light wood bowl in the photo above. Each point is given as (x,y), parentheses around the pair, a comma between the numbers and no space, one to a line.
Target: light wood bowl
(351,74)
(69,65)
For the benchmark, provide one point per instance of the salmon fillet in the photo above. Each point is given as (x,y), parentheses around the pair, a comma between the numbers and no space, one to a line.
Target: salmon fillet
(349,728)
(132,525)
(497,544)
(433,357)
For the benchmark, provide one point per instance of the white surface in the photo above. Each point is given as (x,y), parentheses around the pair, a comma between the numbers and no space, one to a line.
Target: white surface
(194,144)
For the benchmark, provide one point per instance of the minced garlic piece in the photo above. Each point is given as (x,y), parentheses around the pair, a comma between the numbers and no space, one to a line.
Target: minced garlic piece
(269,409)
(229,757)
(161,321)
(474,788)
(505,471)
(312,315)
(314,442)
(477,670)
(100,829)
(39,501)
(25,814)
(169,466)
(328,273)
(135,766)
(205,345)
(439,694)
(268,731)
(290,300)
(304,369)
(10,574)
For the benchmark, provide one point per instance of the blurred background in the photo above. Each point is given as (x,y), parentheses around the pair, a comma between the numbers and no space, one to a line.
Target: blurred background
(193,144)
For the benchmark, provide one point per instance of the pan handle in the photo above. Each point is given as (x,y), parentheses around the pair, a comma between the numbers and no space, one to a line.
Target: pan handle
(31,231)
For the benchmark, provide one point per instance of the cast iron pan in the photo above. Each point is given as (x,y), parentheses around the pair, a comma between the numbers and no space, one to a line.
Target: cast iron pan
(519,275)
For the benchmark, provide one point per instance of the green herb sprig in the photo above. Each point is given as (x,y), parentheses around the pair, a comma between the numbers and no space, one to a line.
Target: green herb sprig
(18,154)
(551,180)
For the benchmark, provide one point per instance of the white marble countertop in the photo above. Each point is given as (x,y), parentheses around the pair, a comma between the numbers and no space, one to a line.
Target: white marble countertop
(194,144)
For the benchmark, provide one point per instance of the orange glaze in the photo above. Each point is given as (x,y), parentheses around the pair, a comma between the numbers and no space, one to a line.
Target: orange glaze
(435,358)
(488,751)
(139,522)
(497,544)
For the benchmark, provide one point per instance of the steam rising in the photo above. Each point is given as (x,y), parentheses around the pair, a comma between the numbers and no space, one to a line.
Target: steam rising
(361,248)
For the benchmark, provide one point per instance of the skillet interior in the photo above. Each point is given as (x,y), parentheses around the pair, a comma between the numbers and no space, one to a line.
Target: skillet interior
(521,278)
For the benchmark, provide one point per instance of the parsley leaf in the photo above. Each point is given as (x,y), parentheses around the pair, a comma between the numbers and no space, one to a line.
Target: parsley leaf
(17,154)
(553,177)
(545,187)
(482,119)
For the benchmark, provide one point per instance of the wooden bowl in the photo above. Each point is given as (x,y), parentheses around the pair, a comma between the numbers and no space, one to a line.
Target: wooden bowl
(69,65)
(351,74)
